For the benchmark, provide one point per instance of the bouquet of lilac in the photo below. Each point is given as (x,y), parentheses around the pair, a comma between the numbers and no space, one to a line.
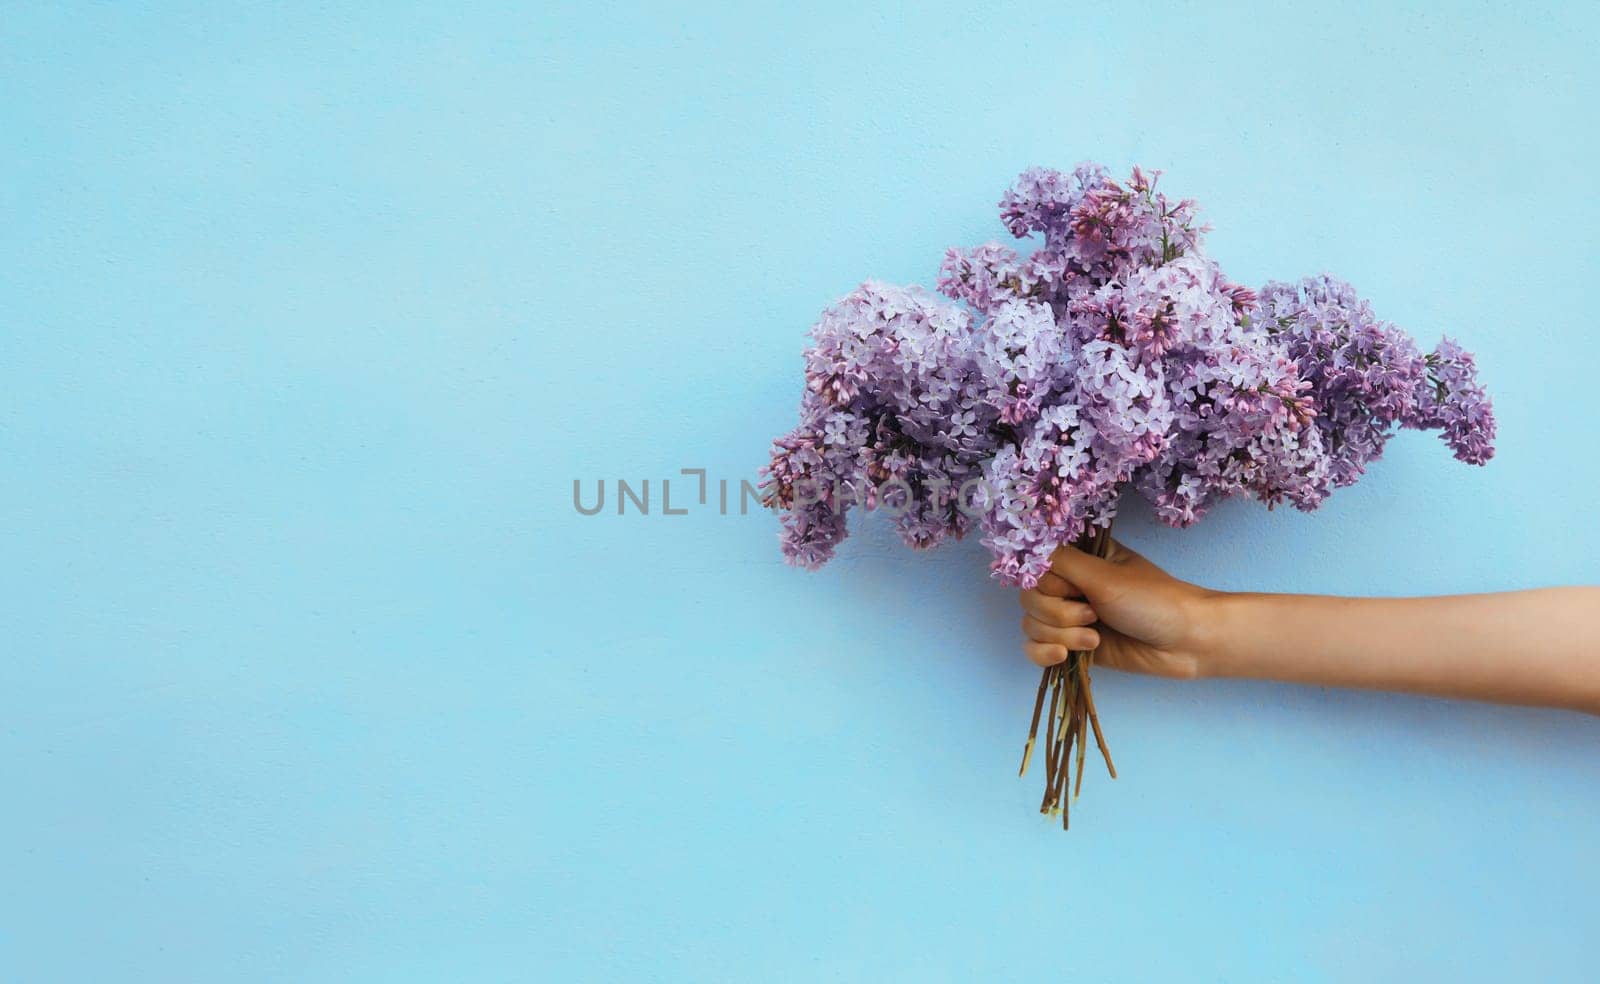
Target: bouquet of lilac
(1115,356)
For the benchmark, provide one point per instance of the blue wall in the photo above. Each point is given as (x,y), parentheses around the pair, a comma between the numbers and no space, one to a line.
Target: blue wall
(310,316)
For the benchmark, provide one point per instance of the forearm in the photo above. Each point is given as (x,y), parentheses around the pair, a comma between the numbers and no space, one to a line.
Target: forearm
(1527,647)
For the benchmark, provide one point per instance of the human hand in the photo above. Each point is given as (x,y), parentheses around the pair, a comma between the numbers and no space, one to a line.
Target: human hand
(1134,615)
(1137,617)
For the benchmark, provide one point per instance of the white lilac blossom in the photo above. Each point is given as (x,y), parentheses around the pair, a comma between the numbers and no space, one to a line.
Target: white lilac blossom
(1115,355)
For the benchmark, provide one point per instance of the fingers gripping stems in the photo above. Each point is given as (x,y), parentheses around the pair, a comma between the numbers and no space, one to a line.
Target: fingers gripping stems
(1064,688)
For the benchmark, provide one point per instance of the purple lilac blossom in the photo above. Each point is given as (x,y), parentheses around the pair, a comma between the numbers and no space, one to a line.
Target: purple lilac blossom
(1368,376)
(1453,401)
(1115,355)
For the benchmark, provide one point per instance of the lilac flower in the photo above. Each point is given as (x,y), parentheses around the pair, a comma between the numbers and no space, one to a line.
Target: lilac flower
(986,276)
(1042,491)
(1042,199)
(890,401)
(1115,356)
(1368,376)
(1019,355)
(1453,401)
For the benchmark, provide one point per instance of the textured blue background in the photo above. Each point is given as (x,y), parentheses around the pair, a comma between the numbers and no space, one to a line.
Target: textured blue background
(309,316)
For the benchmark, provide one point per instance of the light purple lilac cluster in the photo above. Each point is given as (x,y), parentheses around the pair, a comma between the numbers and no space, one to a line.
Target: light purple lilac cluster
(1116,355)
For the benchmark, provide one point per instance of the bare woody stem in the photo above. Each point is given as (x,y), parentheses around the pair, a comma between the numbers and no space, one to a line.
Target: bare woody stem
(1033,729)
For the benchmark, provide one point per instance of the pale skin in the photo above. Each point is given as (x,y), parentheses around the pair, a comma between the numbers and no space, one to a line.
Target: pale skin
(1539,647)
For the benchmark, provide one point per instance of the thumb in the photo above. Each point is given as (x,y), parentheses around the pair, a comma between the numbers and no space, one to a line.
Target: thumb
(1096,577)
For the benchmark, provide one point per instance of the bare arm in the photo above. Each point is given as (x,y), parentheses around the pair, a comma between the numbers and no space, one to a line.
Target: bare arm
(1521,647)
(1538,647)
